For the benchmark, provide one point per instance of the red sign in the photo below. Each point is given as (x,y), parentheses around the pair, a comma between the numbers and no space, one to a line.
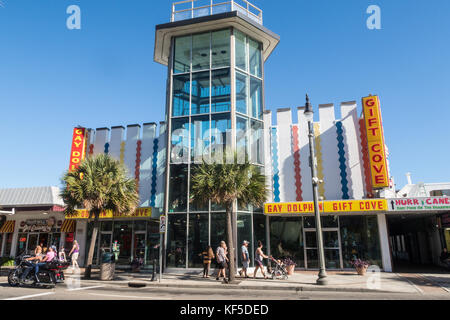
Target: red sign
(69,237)
(78,148)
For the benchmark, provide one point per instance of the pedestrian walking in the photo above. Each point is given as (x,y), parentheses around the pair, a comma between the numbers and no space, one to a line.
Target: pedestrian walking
(75,252)
(62,254)
(245,259)
(259,255)
(207,255)
(221,257)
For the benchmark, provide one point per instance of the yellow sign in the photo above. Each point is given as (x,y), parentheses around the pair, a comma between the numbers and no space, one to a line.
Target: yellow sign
(375,142)
(340,206)
(108,214)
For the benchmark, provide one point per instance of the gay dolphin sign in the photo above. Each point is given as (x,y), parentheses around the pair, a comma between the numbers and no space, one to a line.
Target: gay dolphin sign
(375,142)
(78,148)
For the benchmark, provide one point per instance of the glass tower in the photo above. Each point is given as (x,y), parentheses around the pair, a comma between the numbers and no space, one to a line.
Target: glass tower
(215,104)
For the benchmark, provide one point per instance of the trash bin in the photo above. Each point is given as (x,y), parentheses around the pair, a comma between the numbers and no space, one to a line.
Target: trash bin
(108,266)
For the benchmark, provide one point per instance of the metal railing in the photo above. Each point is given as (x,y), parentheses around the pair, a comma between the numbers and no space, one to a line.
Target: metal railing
(189,9)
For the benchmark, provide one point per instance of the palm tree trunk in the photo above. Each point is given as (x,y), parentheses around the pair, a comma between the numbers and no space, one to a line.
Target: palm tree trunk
(232,266)
(87,273)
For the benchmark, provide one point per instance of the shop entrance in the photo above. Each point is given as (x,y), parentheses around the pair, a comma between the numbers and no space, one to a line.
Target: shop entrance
(331,245)
(415,242)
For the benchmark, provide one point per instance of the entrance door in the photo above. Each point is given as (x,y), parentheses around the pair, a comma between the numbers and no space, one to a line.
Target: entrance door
(139,245)
(332,249)
(32,242)
(123,235)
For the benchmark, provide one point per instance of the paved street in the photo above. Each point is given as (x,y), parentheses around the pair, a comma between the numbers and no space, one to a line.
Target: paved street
(95,290)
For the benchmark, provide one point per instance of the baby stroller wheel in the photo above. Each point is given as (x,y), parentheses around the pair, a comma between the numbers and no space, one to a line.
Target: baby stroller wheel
(285,277)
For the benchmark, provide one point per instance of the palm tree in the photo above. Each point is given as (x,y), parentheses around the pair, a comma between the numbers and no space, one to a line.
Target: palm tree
(224,184)
(100,183)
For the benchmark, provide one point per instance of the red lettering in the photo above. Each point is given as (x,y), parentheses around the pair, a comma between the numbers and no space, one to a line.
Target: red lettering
(374,131)
(377,158)
(379,179)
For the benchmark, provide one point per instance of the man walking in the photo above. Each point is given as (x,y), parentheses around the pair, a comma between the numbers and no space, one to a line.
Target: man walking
(245,259)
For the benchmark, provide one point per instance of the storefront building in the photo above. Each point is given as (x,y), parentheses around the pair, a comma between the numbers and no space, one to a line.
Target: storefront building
(38,218)
(215,98)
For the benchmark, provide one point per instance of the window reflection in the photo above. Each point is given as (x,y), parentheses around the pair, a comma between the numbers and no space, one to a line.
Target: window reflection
(220,48)
(199,138)
(181,90)
(241,93)
(176,241)
(178,188)
(182,59)
(197,238)
(241,50)
(200,92)
(255,58)
(220,90)
(256,98)
(200,51)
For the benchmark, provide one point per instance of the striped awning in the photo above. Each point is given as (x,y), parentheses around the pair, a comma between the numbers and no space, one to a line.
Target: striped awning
(68,226)
(8,227)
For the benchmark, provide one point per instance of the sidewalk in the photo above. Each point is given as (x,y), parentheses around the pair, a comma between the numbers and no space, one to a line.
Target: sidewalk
(300,281)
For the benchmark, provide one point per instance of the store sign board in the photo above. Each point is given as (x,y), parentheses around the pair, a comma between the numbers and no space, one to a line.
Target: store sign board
(375,141)
(42,225)
(339,206)
(108,214)
(78,148)
(419,204)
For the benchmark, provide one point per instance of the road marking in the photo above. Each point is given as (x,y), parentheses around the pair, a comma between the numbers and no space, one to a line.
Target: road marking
(30,296)
(436,282)
(122,296)
(410,282)
(84,288)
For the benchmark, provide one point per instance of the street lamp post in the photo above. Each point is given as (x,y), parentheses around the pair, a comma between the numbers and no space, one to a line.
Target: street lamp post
(309,113)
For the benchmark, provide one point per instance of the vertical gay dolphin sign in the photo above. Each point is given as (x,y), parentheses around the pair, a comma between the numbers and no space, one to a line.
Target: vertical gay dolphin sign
(78,148)
(375,141)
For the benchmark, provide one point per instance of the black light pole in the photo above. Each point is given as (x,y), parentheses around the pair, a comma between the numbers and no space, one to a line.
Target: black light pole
(309,113)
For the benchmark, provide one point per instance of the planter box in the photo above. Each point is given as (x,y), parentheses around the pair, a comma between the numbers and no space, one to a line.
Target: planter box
(361,271)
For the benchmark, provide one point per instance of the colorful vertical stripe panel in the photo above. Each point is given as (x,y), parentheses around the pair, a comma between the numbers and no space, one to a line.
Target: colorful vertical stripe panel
(319,157)
(276,172)
(138,162)
(342,160)
(154,172)
(106,148)
(298,176)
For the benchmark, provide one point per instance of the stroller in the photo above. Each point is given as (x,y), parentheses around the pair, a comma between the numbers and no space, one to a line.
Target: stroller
(279,271)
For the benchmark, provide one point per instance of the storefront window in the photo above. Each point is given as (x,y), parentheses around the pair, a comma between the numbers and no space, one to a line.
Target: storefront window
(122,233)
(326,221)
(360,239)
(256,98)
(178,188)
(153,242)
(286,239)
(8,245)
(197,238)
(176,241)
(106,226)
(21,244)
(259,232)
(244,232)
(218,229)
(199,138)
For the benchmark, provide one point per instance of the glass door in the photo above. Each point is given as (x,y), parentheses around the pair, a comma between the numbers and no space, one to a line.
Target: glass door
(32,242)
(332,250)
(139,245)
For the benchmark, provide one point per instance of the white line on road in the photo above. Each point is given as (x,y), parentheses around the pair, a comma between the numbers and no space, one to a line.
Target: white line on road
(30,296)
(122,296)
(84,288)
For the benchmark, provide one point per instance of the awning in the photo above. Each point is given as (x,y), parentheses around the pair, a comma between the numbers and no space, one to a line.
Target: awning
(68,226)
(8,227)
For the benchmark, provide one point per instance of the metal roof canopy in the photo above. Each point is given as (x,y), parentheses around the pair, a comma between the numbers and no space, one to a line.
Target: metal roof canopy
(30,197)
(165,32)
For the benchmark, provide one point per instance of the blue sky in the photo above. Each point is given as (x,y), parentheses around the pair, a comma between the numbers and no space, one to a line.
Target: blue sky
(52,78)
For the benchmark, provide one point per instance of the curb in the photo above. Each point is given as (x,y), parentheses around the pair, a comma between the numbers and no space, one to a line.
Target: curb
(148,284)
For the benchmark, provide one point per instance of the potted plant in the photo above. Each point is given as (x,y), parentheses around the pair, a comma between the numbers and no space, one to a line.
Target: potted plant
(290,265)
(360,266)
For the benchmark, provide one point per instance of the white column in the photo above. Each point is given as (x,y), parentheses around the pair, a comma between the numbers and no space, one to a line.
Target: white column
(384,243)
(267,153)
(80,236)
(285,156)
(101,137)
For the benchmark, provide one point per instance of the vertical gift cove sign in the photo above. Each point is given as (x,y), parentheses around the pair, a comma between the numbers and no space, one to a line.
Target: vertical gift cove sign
(375,142)
(78,148)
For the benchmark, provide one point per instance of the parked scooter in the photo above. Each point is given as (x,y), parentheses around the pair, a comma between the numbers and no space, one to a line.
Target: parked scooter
(48,275)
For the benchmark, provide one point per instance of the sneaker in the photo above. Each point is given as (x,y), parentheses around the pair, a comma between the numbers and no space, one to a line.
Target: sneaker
(240,273)
(217,278)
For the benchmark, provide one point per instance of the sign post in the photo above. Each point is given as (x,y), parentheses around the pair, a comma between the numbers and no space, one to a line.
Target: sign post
(162,231)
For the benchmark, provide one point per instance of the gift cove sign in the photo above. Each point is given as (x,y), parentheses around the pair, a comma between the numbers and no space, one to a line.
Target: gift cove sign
(419,204)
(340,206)
(375,142)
